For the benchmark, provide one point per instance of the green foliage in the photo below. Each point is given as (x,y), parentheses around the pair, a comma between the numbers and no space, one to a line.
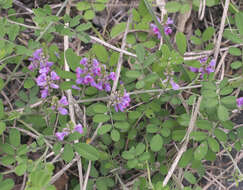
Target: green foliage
(145,138)
(86,151)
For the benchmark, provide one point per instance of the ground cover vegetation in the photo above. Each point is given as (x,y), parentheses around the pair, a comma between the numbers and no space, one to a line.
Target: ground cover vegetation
(116,94)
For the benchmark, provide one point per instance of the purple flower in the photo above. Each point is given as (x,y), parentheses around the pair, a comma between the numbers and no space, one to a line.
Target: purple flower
(63,101)
(203,60)
(75,87)
(62,111)
(95,63)
(32,66)
(46,63)
(169,21)
(155,30)
(122,103)
(167,30)
(80,80)
(79,72)
(174,85)
(209,69)
(204,69)
(112,76)
(60,135)
(44,70)
(212,63)
(107,87)
(41,80)
(84,61)
(54,76)
(96,71)
(193,69)
(99,86)
(37,54)
(88,79)
(79,128)
(53,85)
(239,102)
(44,93)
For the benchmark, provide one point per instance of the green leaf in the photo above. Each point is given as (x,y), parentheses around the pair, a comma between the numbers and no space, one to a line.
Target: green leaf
(122,125)
(75,21)
(223,113)
(1,84)
(86,151)
(98,118)
(83,5)
(151,128)
(208,34)
(220,135)
(83,27)
(186,158)
(239,21)
(139,149)
(23,149)
(68,153)
(140,84)
(1,109)
(101,184)
(185,7)
(236,65)
(165,131)
(2,127)
(235,51)
(100,52)
(198,135)
(133,74)
(7,184)
(14,137)
(156,143)
(178,135)
(65,74)
(8,160)
(89,15)
(204,124)
(72,59)
(118,29)
(29,83)
(140,52)
(20,169)
(99,108)
(201,151)
(229,102)
(213,144)
(195,40)
(172,6)
(181,42)
(190,177)
(115,135)
(104,129)
(128,155)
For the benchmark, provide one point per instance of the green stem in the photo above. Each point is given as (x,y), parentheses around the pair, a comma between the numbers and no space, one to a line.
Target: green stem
(50,24)
(157,23)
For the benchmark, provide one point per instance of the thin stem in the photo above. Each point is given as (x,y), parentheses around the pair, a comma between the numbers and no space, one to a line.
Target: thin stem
(50,24)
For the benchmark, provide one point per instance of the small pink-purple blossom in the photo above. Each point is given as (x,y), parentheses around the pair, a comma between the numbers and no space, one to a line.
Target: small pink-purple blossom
(239,102)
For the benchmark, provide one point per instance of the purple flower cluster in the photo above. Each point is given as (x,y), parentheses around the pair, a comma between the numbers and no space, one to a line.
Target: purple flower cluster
(239,102)
(60,106)
(94,74)
(47,78)
(66,131)
(204,69)
(167,28)
(121,101)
